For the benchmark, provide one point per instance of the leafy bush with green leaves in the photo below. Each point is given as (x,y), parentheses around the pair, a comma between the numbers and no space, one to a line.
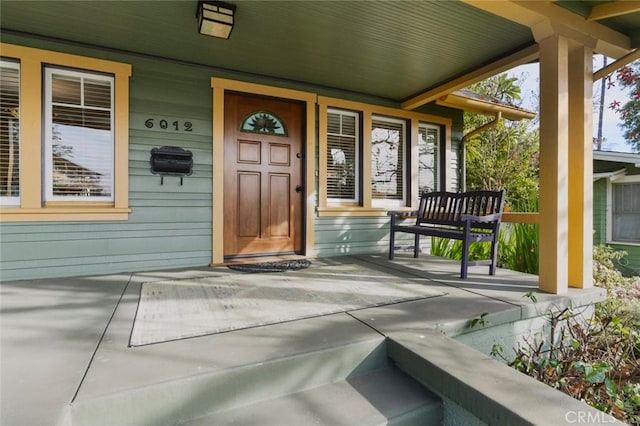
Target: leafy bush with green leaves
(606,275)
(517,248)
(596,360)
(520,247)
(596,363)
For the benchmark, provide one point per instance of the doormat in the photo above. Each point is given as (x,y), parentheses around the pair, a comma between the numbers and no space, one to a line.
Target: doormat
(275,266)
(179,309)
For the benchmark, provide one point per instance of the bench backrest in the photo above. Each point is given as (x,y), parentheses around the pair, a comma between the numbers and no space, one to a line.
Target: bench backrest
(446,208)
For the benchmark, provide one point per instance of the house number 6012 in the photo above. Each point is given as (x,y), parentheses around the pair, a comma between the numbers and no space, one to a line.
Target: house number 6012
(185,126)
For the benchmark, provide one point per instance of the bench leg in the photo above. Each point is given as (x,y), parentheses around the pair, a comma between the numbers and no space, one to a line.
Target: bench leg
(392,243)
(464,265)
(494,256)
(416,246)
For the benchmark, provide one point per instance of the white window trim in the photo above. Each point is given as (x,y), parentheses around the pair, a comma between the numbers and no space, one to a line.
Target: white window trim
(438,158)
(13,201)
(364,207)
(358,170)
(402,202)
(32,207)
(48,147)
(623,179)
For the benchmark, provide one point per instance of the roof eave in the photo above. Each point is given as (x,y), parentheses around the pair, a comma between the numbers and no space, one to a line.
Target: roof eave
(483,107)
(617,157)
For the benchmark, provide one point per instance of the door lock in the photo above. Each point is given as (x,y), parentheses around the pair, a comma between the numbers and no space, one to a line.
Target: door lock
(299,188)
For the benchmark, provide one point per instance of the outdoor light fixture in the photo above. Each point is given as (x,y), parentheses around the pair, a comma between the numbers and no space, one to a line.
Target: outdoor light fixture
(215,18)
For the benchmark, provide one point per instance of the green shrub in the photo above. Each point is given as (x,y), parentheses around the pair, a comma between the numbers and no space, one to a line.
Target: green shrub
(517,248)
(521,247)
(596,360)
(606,275)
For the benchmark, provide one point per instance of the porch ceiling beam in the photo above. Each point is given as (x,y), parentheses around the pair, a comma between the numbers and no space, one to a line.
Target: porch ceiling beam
(616,8)
(522,57)
(625,60)
(544,13)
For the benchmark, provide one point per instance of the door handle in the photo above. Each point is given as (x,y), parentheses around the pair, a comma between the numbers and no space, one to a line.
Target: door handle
(299,188)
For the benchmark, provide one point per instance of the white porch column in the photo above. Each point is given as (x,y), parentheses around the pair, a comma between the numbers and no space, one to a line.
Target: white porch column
(580,166)
(554,164)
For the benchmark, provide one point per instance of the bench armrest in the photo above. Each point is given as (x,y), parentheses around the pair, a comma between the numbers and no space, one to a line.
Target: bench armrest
(402,213)
(486,218)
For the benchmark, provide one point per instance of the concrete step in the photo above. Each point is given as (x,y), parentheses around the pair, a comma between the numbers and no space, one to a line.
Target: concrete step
(180,399)
(387,397)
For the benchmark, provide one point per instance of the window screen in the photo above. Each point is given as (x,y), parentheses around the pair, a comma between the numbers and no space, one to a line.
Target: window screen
(428,157)
(342,155)
(626,212)
(79,135)
(387,158)
(9,133)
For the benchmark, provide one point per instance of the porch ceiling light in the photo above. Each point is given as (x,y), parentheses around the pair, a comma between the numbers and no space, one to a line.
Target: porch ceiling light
(215,18)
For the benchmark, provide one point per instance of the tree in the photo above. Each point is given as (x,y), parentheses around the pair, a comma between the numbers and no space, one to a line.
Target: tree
(629,77)
(504,156)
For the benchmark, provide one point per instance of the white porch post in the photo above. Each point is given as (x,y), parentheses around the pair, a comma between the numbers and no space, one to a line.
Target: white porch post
(580,166)
(566,43)
(554,164)
(566,141)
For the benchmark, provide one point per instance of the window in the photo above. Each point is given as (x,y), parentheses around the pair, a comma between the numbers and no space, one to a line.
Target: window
(374,158)
(343,169)
(625,223)
(71,162)
(428,157)
(9,133)
(388,160)
(78,136)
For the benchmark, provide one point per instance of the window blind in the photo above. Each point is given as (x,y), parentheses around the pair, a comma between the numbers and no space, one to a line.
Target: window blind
(387,157)
(342,155)
(80,135)
(626,212)
(428,158)
(9,132)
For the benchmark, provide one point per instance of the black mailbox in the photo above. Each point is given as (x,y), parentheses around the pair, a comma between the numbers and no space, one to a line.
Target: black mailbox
(172,161)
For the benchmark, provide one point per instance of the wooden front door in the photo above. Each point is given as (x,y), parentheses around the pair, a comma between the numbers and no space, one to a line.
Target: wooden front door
(263,187)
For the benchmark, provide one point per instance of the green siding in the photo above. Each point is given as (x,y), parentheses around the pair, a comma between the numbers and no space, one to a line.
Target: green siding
(171,224)
(351,235)
(630,264)
(340,236)
(357,235)
(600,211)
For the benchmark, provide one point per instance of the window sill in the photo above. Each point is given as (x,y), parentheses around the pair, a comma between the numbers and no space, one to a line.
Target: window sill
(624,243)
(63,214)
(355,211)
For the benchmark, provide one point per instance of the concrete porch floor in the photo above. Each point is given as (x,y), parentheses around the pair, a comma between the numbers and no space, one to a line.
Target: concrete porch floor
(66,340)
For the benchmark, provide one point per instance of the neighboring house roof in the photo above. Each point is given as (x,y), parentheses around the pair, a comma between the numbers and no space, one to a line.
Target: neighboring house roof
(617,157)
(612,165)
(471,101)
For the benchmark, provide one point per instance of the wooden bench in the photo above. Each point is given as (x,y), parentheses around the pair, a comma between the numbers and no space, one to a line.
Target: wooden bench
(471,217)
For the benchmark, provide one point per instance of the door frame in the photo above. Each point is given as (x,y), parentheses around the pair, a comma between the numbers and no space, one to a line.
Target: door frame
(220,86)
